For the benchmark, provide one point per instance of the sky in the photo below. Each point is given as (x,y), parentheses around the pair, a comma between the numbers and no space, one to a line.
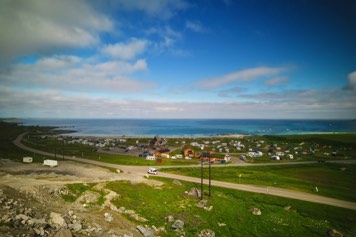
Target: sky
(235,59)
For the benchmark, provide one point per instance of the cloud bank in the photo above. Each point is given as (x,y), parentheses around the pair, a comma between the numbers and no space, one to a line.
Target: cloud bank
(36,26)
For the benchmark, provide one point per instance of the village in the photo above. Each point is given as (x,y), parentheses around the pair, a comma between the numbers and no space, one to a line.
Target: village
(216,150)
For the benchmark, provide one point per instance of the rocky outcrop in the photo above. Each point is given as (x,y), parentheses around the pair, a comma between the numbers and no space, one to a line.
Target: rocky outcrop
(19,220)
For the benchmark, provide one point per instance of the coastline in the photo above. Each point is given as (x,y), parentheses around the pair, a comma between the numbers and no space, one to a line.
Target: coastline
(189,129)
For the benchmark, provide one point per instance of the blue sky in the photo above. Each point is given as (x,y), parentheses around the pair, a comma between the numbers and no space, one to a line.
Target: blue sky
(178,59)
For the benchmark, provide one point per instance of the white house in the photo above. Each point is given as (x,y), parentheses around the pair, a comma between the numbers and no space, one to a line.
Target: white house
(164,155)
(151,157)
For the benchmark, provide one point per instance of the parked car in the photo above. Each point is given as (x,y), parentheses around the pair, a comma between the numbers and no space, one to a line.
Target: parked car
(152,171)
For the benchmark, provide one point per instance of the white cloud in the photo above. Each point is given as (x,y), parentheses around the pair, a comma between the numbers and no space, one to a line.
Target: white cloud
(195,26)
(58,61)
(352,81)
(36,26)
(60,73)
(276,81)
(126,51)
(167,41)
(243,75)
(54,104)
(158,8)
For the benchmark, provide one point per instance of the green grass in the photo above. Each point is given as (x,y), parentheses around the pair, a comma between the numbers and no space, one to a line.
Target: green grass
(231,207)
(75,191)
(329,178)
(9,132)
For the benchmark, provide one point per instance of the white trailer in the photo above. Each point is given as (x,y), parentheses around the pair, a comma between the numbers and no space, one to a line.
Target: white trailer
(50,163)
(27,160)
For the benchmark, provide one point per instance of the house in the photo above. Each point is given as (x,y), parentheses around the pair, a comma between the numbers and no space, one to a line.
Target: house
(189,152)
(163,151)
(165,155)
(151,157)
(205,156)
(157,141)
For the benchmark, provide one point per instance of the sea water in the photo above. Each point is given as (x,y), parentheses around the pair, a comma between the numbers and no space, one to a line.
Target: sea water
(193,127)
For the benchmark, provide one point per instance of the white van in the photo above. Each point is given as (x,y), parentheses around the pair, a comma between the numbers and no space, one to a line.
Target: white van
(152,171)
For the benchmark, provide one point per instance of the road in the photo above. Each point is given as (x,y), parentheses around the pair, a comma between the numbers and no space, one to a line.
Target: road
(141,170)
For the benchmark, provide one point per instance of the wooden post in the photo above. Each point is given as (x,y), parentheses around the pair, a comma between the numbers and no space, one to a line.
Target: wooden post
(209,177)
(202,176)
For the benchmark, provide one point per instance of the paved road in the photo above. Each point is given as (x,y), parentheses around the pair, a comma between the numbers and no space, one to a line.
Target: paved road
(141,170)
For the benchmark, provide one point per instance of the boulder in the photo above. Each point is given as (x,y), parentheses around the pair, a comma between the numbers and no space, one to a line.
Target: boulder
(334,233)
(202,203)
(256,211)
(178,225)
(57,220)
(145,231)
(169,218)
(75,227)
(194,192)
(108,217)
(206,233)
(63,232)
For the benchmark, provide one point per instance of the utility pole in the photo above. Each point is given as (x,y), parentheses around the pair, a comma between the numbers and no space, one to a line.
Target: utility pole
(209,177)
(202,176)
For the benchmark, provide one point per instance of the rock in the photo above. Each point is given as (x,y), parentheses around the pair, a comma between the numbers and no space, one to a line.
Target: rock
(202,203)
(206,233)
(145,231)
(178,225)
(57,220)
(177,182)
(113,207)
(30,222)
(63,232)
(256,211)
(70,213)
(334,233)
(75,227)
(121,210)
(129,212)
(138,218)
(169,218)
(108,217)
(194,192)
(208,208)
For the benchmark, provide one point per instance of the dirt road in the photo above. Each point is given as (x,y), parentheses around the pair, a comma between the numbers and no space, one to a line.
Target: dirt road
(141,171)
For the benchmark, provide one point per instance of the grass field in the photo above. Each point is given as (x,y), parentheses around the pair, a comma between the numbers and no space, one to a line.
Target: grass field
(9,132)
(332,180)
(230,215)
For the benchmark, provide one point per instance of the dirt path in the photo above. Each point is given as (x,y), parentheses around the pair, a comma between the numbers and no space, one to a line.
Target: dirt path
(139,171)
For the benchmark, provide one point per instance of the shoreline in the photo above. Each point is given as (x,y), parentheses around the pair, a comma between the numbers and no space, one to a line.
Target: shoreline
(70,131)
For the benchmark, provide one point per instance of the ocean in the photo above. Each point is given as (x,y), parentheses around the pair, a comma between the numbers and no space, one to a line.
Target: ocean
(193,127)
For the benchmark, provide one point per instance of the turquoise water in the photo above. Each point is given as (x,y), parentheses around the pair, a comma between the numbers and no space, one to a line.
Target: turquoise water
(193,127)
